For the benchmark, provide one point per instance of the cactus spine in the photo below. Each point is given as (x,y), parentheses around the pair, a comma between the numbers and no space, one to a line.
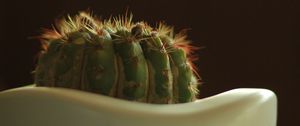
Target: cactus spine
(118,58)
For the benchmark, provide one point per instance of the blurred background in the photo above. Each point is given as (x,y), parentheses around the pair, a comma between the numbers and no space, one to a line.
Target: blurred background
(248,43)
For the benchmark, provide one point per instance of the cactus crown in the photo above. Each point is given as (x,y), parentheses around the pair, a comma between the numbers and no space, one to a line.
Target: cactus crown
(118,58)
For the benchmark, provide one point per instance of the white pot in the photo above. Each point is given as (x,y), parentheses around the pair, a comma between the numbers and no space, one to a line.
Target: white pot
(41,106)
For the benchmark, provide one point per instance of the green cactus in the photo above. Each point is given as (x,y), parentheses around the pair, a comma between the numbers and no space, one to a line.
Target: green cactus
(118,58)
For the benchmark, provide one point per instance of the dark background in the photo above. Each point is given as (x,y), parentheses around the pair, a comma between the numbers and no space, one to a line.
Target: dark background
(248,43)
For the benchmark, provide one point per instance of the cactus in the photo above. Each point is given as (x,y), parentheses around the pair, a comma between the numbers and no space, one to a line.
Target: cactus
(118,58)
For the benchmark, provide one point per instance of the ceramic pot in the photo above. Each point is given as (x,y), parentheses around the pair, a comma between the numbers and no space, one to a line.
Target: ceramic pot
(42,106)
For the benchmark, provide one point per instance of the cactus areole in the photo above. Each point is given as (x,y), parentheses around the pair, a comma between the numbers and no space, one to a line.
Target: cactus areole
(118,58)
